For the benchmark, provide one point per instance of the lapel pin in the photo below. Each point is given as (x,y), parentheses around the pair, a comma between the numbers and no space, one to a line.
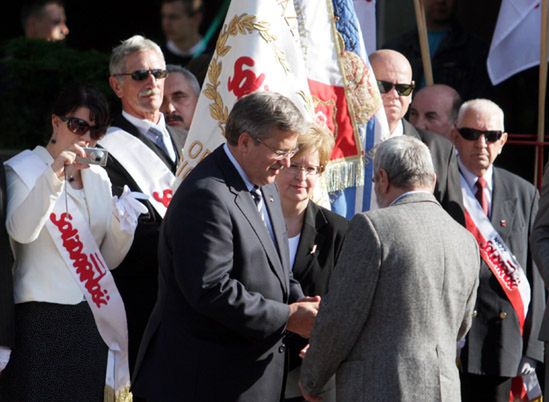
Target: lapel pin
(271,199)
(313,249)
(503,223)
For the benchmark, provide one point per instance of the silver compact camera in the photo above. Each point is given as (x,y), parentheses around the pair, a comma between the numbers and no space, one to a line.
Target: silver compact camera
(94,156)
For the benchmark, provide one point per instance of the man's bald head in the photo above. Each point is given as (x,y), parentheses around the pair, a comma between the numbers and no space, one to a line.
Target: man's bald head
(435,108)
(392,67)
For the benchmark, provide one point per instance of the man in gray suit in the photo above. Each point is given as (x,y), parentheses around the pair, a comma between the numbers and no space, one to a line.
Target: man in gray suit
(406,281)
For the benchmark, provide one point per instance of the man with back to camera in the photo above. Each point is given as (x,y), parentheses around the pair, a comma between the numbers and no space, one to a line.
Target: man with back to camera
(402,292)
(143,156)
(217,329)
(181,91)
(435,109)
(499,208)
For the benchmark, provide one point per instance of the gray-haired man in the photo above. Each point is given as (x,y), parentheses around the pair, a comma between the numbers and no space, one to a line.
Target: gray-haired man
(402,292)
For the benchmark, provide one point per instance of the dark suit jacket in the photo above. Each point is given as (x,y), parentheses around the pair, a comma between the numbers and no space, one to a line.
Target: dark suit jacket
(447,188)
(137,276)
(216,332)
(323,231)
(539,241)
(6,281)
(495,345)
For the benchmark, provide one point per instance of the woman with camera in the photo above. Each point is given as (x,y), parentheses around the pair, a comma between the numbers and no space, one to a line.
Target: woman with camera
(66,232)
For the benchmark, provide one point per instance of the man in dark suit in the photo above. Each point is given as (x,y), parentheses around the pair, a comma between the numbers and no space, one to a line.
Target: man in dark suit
(503,340)
(6,282)
(142,156)
(217,329)
(394,76)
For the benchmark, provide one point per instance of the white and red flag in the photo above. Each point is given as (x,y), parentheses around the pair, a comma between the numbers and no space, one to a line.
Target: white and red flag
(312,52)
(516,41)
(258,49)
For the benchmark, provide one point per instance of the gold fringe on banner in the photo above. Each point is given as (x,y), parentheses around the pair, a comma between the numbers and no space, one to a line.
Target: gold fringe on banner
(344,173)
(121,396)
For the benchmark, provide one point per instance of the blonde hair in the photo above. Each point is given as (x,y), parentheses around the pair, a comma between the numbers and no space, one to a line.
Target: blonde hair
(316,138)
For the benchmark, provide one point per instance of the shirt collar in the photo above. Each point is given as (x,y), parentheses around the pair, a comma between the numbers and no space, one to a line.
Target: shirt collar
(472,178)
(247,182)
(197,48)
(399,130)
(143,125)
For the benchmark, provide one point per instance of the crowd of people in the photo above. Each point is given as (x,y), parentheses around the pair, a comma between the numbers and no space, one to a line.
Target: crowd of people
(238,286)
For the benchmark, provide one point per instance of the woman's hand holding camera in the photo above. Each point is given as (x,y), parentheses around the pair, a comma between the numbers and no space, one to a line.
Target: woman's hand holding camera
(68,157)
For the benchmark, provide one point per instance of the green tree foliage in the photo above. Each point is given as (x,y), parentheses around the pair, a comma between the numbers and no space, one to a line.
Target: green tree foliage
(32,73)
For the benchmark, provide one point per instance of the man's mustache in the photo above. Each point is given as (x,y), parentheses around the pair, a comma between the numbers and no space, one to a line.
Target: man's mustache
(173,117)
(149,92)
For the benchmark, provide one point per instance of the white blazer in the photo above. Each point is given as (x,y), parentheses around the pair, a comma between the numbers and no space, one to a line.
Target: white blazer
(39,272)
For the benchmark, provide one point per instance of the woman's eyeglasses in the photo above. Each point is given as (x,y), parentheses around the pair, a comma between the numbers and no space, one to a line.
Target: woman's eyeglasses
(142,75)
(295,169)
(402,89)
(81,127)
(472,134)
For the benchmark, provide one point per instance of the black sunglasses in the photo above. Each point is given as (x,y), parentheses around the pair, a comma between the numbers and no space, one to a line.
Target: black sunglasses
(472,134)
(141,75)
(81,127)
(402,89)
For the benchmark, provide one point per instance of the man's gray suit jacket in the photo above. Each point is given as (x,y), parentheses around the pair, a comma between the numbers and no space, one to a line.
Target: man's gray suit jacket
(400,297)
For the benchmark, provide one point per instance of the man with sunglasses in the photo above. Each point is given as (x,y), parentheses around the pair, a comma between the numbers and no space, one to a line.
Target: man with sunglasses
(499,208)
(394,76)
(143,156)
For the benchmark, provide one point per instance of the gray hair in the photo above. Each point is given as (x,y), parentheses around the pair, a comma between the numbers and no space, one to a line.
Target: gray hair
(191,79)
(136,43)
(259,112)
(483,106)
(406,160)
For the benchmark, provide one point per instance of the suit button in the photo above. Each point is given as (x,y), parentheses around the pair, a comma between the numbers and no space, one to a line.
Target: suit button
(502,315)
(282,348)
(475,313)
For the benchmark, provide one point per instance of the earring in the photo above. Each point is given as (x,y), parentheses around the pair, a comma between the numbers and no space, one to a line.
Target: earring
(53,140)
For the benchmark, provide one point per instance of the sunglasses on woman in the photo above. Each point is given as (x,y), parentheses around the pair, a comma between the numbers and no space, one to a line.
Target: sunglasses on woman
(472,134)
(142,75)
(81,127)
(402,89)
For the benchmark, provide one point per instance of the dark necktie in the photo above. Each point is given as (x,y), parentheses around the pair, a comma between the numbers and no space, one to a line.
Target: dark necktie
(481,197)
(256,195)
(158,140)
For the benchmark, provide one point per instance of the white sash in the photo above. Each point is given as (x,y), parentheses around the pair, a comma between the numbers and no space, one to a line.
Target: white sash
(76,244)
(149,172)
(496,255)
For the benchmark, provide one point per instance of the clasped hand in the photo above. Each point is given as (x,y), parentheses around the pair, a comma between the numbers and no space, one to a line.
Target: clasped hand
(302,316)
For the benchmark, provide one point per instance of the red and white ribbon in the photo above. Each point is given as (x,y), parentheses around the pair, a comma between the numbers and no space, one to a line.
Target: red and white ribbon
(495,253)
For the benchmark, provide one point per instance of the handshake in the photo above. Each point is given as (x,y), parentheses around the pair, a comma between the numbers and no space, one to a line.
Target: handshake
(302,316)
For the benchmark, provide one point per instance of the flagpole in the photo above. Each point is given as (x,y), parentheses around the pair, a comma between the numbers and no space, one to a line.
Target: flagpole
(423,42)
(542,87)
